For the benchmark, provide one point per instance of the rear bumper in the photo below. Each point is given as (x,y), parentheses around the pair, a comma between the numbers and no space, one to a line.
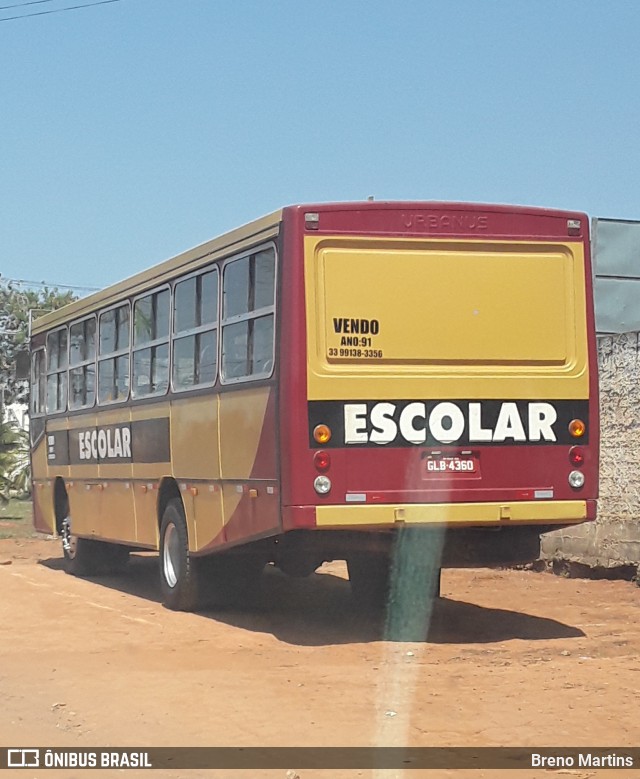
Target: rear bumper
(451,514)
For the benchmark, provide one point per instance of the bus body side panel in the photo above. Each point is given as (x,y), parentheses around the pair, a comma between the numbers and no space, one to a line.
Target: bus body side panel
(246,495)
(219,447)
(151,460)
(44,519)
(218,444)
(81,479)
(117,512)
(195,455)
(248,463)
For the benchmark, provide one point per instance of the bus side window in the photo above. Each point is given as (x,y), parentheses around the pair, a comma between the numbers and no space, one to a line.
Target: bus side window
(113,355)
(248,316)
(38,385)
(38,376)
(195,331)
(57,370)
(234,350)
(262,344)
(151,344)
(82,364)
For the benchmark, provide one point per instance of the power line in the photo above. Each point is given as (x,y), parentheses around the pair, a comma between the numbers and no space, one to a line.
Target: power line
(58,10)
(49,284)
(20,5)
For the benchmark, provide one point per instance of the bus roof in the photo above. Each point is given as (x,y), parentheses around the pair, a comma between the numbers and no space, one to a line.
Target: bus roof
(241,238)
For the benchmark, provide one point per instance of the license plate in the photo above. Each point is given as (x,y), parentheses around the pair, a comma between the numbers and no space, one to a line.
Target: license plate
(451,464)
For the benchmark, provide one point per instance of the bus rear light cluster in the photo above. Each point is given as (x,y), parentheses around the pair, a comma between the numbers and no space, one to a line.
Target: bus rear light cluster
(577,428)
(574,227)
(576,479)
(322,485)
(322,434)
(322,461)
(576,456)
(312,220)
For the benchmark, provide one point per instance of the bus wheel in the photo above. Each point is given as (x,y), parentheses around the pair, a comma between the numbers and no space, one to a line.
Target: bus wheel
(369,576)
(178,570)
(80,554)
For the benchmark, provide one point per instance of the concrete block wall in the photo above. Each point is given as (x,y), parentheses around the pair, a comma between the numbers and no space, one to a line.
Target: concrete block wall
(614,538)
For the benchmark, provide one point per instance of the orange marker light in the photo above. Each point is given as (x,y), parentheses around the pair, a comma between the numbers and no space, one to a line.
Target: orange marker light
(322,434)
(577,428)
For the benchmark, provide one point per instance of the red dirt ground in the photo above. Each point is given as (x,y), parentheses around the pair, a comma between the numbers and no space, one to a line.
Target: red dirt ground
(514,658)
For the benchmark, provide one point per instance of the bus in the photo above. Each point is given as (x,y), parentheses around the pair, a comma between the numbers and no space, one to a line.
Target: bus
(318,385)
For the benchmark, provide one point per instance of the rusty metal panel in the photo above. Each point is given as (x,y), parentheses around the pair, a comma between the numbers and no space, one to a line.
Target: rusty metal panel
(617,305)
(617,275)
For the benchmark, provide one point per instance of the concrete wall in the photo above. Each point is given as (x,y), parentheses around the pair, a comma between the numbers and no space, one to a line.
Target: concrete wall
(614,538)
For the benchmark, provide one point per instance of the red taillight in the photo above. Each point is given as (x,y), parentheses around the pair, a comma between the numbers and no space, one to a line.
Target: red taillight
(322,461)
(576,455)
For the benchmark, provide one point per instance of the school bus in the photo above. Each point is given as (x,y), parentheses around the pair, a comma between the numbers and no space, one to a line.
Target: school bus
(317,383)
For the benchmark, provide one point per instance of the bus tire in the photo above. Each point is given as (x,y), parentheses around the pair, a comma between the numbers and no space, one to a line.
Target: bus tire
(179,578)
(81,555)
(369,575)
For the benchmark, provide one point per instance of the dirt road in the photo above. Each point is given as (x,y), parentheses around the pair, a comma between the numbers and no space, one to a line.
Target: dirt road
(514,658)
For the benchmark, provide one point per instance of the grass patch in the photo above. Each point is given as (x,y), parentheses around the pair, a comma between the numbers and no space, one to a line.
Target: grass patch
(16,519)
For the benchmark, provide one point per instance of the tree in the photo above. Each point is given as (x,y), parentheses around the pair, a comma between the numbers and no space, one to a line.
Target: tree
(15,469)
(15,305)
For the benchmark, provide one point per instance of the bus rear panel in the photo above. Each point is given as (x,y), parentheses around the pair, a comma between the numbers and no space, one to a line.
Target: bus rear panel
(442,372)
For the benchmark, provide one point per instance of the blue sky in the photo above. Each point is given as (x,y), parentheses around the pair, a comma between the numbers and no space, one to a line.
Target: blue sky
(134,130)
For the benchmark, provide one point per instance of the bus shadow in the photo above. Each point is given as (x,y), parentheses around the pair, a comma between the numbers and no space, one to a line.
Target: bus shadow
(140,578)
(319,611)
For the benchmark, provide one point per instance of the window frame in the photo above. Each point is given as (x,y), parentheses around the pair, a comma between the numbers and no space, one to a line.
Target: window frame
(207,328)
(150,344)
(64,408)
(255,314)
(35,354)
(83,363)
(127,352)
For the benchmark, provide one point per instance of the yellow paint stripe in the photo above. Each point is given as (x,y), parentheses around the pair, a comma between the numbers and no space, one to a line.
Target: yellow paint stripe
(452,513)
